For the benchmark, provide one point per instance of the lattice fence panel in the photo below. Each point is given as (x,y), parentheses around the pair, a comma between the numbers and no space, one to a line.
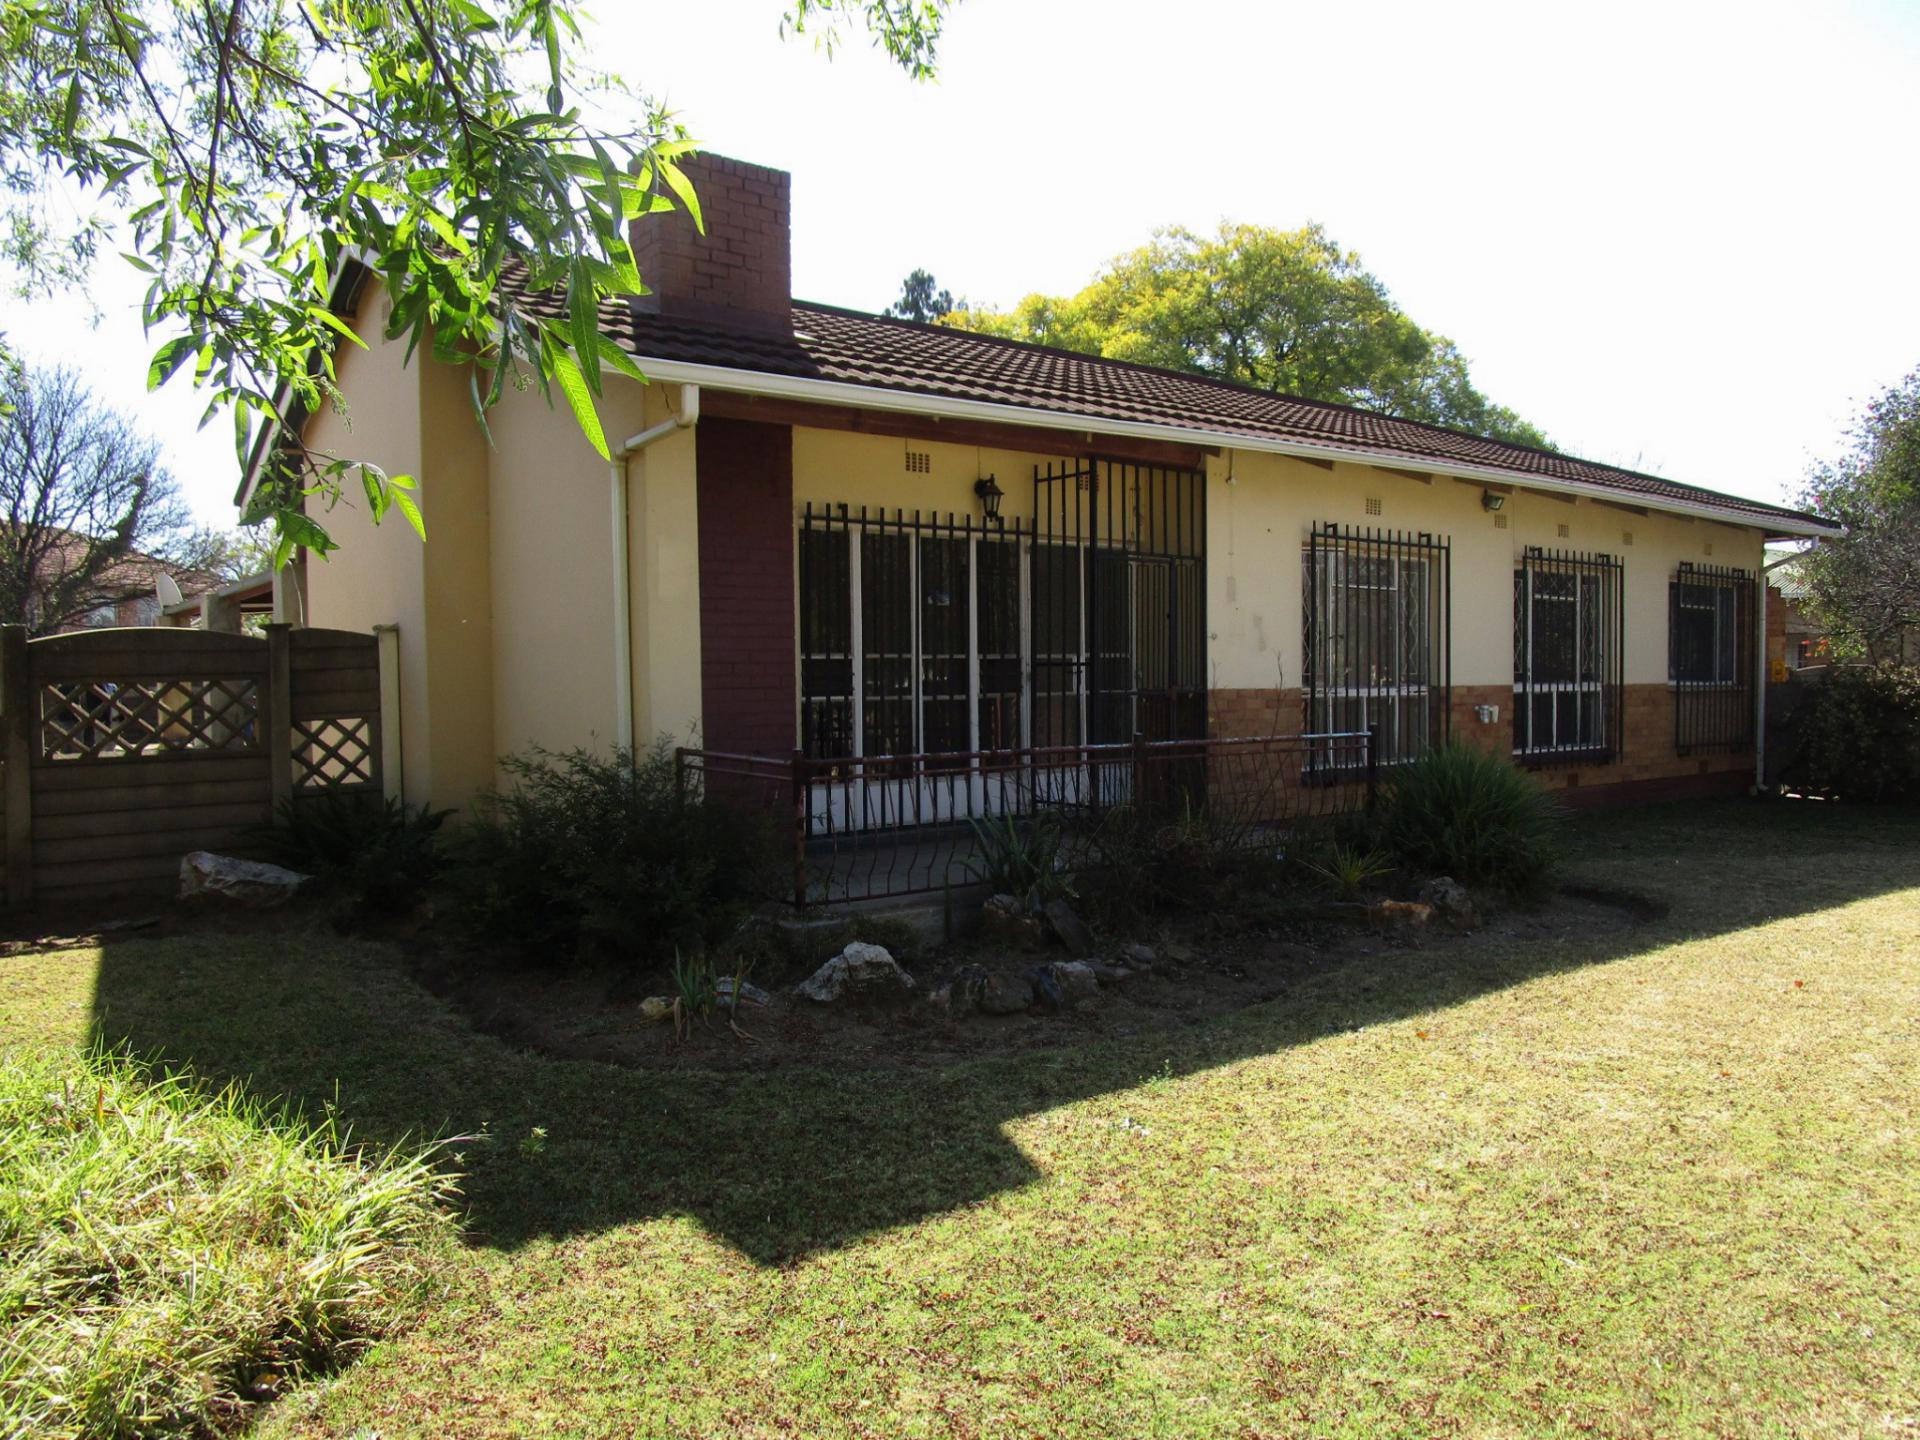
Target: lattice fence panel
(134,719)
(333,754)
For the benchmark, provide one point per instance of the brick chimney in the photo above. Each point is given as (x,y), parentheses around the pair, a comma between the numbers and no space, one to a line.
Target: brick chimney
(739,273)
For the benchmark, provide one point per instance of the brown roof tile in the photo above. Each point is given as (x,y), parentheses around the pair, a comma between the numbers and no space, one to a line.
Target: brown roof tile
(852,348)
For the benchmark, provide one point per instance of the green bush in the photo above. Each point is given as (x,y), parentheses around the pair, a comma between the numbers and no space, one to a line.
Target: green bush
(1133,862)
(1021,858)
(607,855)
(169,1257)
(1857,735)
(1464,812)
(382,855)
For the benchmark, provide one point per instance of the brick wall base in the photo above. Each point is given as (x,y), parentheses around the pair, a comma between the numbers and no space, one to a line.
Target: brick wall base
(1649,767)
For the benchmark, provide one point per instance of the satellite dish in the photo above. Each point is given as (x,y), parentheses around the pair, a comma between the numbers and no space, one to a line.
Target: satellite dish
(168,590)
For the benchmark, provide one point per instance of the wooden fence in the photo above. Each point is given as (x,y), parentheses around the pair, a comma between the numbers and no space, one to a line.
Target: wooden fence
(125,749)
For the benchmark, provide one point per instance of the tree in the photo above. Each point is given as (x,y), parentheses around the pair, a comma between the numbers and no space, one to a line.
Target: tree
(81,494)
(919,300)
(1286,311)
(247,146)
(1865,584)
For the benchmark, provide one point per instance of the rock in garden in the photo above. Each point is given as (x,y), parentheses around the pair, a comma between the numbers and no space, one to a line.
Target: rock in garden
(1009,922)
(1110,974)
(861,971)
(968,985)
(1399,912)
(1140,957)
(1076,980)
(244,882)
(1047,994)
(750,994)
(656,1008)
(1006,995)
(1071,929)
(1449,899)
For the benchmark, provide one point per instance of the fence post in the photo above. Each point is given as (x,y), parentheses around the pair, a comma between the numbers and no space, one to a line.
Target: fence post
(279,718)
(799,830)
(393,777)
(1373,765)
(1137,788)
(16,700)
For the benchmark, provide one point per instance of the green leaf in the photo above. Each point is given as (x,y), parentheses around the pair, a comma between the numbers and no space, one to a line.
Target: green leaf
(169,358)
(574,386)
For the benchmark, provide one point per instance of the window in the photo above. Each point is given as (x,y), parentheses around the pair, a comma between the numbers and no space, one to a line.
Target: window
(1710,619)
(910,635)
(1376,637)
(1568,638)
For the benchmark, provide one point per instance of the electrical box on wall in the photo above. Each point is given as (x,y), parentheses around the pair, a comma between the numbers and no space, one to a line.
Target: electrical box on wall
(1487,714)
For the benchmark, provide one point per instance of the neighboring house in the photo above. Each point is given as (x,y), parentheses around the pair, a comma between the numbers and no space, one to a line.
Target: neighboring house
(1808,645)
(232,606)
(797,553)
(126,593)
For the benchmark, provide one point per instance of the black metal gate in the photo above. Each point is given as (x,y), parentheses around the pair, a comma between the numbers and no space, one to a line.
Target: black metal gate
(1119,591)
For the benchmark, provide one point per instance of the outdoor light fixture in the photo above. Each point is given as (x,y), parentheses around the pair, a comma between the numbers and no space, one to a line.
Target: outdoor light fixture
(1491,500)
(989,493)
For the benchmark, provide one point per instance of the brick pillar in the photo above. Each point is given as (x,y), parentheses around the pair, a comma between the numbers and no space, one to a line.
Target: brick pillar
(744,475)
(736,272)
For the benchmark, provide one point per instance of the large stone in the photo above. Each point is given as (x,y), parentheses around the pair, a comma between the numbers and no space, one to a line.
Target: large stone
(750,994)
(1076,979)
(1006,995)
(861,971)
(1450,900)
(1070,928)
(242,882)
(1140,957)
(1005,920)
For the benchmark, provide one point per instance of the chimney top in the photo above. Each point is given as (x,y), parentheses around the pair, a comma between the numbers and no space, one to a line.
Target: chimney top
(739,273)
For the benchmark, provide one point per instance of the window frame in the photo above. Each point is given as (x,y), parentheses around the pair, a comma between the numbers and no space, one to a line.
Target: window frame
(1598,673)
(1715,712)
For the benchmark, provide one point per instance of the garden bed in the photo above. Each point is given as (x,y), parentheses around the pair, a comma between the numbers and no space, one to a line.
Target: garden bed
(1199,971)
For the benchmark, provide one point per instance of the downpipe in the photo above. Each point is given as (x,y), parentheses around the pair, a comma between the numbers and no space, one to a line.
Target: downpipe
(685,418)
(1762,675)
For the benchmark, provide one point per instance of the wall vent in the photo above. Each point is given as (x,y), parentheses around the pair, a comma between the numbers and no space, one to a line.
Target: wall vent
(1373,505)
(1709,547)
(919,462)
(1626,537)
(1565,529)
(1499,522)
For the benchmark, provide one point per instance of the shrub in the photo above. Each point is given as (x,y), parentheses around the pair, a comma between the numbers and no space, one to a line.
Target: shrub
(1348,869)
(381,854)
(1858,734)
(1464,812)
(1138,861)
(1023,859)
(170,1257)
(607,854)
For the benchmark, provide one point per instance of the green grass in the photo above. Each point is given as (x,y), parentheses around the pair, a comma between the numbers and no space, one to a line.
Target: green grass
(1657,1181)
(170,1257)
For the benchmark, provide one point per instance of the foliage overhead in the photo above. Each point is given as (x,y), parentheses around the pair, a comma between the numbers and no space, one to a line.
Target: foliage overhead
(921,299)
(1865,584)
(1287,311)
(82,493)
(244,148)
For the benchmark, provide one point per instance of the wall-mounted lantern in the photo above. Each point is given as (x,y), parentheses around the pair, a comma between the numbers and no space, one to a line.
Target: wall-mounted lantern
(1491,501)
(989,492)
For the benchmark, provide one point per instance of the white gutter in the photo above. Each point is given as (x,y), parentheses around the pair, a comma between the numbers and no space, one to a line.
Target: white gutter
(866,397)
(685,418)
(1760,663)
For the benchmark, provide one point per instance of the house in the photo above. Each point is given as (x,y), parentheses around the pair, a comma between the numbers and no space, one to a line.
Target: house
(125,592)
(844,535)
(1806,644)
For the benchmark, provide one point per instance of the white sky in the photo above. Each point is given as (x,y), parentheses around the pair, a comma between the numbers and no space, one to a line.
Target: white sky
(1679,236)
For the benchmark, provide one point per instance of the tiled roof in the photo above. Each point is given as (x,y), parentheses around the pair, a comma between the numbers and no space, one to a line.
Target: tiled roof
(851,348)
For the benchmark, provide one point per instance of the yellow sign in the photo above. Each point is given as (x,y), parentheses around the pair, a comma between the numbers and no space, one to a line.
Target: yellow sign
(1779,672)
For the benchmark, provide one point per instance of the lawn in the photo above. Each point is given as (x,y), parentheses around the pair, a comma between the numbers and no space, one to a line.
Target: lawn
(1661,1181)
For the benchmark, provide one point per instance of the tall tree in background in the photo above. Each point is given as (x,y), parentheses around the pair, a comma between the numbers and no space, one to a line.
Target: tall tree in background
(246,146)
(1865,584)
(81,494)
(921,299)
(1287,311)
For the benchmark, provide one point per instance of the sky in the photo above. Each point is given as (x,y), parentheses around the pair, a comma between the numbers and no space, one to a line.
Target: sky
(1677,236)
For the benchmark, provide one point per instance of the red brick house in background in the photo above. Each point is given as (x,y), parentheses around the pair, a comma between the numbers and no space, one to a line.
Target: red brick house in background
(126,593)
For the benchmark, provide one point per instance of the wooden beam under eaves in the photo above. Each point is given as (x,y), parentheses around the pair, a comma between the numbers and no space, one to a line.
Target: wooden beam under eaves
(1421,475)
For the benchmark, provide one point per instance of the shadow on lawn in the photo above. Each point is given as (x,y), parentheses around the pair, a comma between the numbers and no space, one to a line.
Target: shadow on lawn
(792,1162)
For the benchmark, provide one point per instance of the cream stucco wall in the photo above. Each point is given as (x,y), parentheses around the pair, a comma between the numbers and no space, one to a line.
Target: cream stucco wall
(1261,508)
(377,576)
(664,538)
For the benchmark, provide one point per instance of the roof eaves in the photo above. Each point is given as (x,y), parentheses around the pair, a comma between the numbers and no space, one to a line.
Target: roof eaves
(1753,514)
